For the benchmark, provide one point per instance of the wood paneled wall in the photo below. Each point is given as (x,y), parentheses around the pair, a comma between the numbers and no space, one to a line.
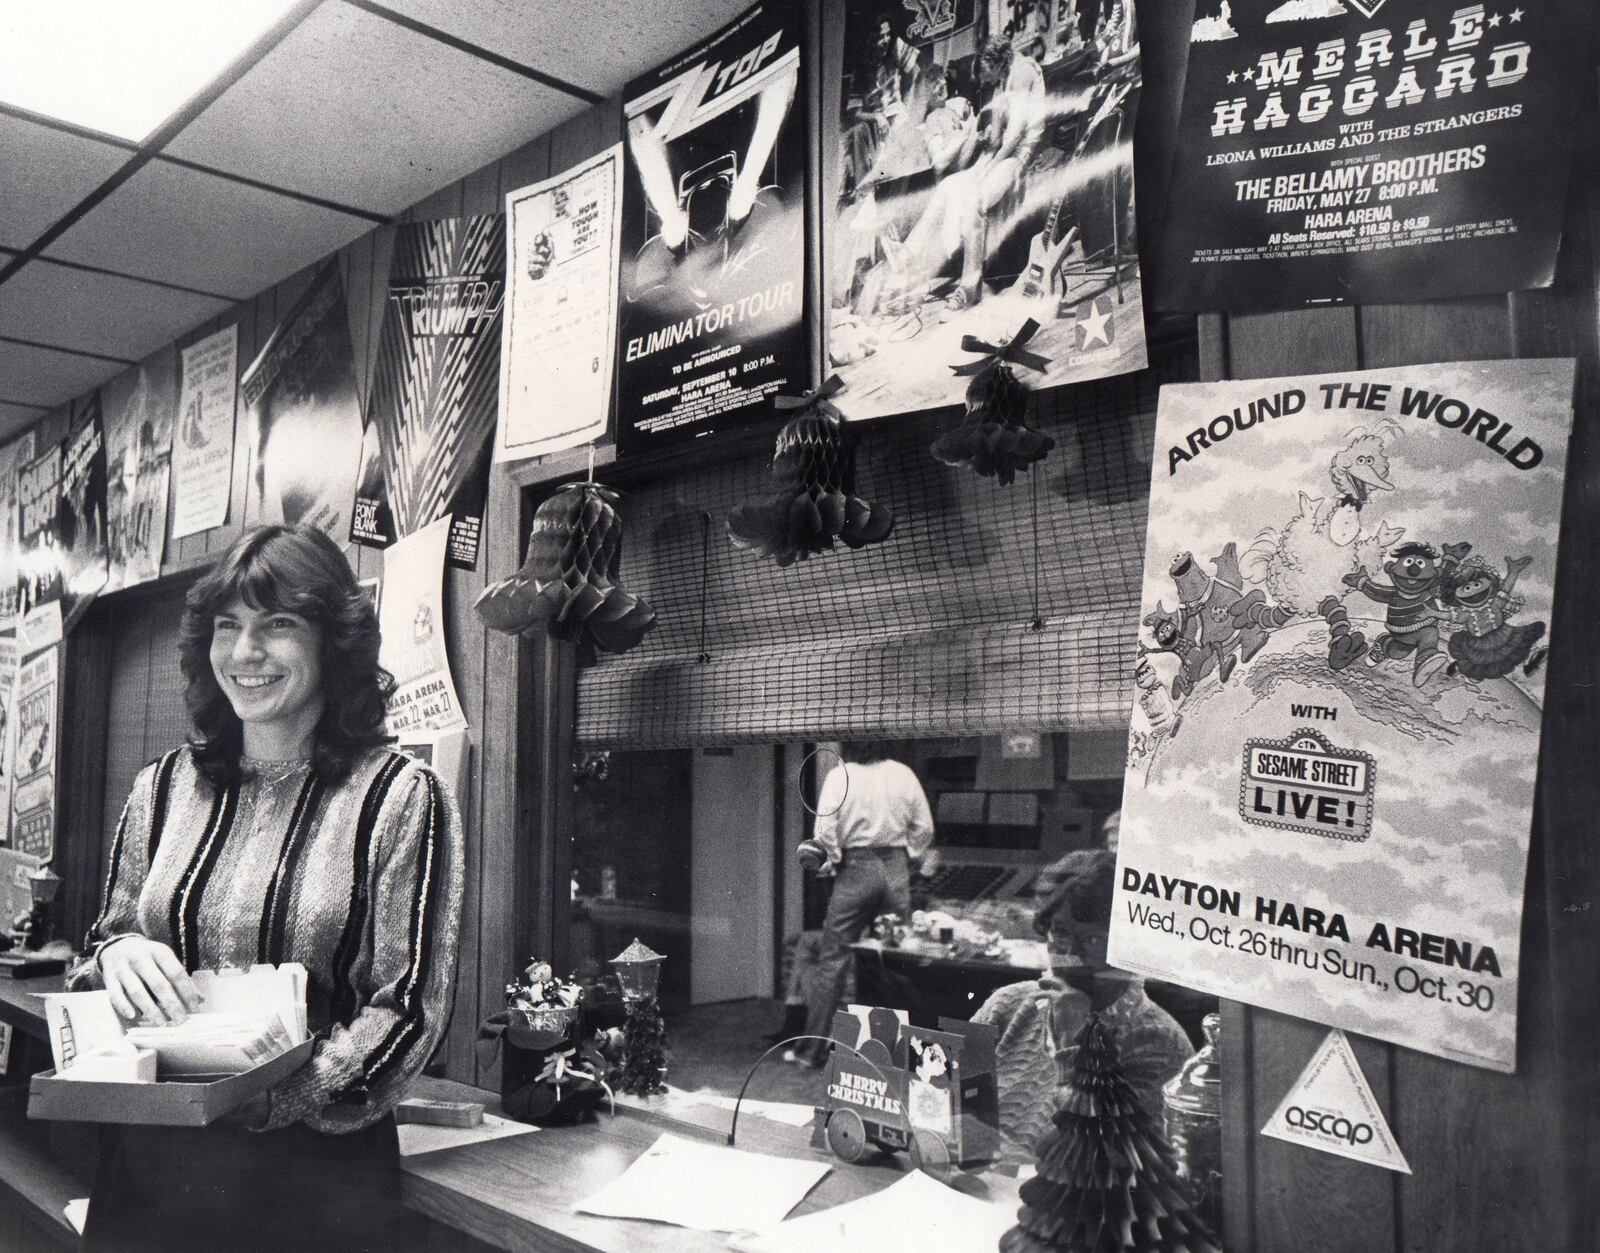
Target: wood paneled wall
(1501,1162)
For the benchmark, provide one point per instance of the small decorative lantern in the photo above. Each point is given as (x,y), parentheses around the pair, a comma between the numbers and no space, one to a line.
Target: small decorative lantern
(638,970)
(43,884)
(644,1037)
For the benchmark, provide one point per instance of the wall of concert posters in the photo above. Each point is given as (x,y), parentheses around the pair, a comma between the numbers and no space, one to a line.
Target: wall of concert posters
(304,417)
(711,325)
(435,387)
(1347,589)
(1369,152)
(985,157)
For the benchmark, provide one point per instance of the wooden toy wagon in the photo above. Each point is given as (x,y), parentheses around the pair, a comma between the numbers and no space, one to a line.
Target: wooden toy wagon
(900,1088)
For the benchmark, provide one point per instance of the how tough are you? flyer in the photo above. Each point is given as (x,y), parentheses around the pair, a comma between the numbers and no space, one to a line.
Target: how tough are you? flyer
(1344,621)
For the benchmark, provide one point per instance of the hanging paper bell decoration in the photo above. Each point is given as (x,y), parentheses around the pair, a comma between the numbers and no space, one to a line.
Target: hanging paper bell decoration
(814,468)
(569,584)
(994,437)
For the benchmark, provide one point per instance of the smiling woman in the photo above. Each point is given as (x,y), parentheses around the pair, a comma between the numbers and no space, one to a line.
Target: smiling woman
(286,830)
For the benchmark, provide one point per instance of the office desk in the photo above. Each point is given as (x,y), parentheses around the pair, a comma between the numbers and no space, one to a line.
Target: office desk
(923,979)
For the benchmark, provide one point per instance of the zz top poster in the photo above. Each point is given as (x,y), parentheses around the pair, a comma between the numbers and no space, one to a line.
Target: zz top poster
(1361,151)
(1347,594)
(713,235)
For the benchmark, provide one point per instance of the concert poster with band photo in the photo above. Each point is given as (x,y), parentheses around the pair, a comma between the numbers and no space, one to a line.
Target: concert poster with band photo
(710,323)
(1338,694)
(982,177)
(1371,151)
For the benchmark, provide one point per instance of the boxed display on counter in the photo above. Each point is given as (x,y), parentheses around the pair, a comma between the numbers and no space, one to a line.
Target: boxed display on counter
(250,1033)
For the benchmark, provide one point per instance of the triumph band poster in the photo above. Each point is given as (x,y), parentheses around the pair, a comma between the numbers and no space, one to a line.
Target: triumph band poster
(435,386)
(1334,151)
(985,177)
(1347,592)
(713,235)
(303,416)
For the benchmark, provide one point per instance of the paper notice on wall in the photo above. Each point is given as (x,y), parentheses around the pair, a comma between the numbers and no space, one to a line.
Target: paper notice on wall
(561,312)
(202,445)
(1336,714)
(137,409)
(33,796)
(1331,1108)
(13,457)
(9,656)
(411,617)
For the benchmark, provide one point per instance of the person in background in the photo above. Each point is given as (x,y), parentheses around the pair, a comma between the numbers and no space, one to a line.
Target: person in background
(873,823)
(285,830)
(1037,1020)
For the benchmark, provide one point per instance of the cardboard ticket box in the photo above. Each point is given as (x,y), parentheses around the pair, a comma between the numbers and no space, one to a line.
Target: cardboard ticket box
(250,1033)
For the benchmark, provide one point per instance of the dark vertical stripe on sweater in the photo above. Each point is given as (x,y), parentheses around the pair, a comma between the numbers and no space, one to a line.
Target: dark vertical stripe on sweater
(96,933)
(185,913)
(402,1035)
(344,1000)
(160,795)
(275,913)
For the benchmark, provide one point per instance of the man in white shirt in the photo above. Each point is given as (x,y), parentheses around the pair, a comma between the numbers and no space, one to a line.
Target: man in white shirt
(873,822)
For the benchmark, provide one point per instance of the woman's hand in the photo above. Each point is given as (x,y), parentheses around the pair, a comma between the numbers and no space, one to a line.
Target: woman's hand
(146,980)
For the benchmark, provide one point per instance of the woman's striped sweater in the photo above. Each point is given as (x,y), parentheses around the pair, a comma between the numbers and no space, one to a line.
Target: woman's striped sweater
(359,882)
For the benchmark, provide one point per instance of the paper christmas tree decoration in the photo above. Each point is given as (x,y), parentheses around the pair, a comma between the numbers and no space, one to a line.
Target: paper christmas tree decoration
(569,582)
(815,504)
(994,438)
(1107,1181)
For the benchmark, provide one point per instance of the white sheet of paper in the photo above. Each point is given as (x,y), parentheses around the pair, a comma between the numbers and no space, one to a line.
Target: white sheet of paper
(77,1212)
(560,327)
(418,1138)
(706,1187)
(912,1216)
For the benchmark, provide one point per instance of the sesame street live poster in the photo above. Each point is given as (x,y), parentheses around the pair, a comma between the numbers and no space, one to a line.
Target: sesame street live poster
(1343,629)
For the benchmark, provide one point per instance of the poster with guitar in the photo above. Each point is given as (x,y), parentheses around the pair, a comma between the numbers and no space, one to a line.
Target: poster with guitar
(982,175)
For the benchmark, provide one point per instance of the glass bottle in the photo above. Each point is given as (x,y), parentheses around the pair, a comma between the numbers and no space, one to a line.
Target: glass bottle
(1192,1102)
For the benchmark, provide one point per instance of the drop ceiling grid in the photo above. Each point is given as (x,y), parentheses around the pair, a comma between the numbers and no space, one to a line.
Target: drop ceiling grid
(42,376)
(356,109)
(178,225)
(599,45)
(44,172)
(119,317)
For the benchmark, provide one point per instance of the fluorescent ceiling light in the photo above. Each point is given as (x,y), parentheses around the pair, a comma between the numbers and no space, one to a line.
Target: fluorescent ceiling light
(121,67)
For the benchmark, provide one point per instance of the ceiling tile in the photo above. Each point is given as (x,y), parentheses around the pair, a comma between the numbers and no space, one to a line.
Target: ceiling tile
(182,226)
(38,376)
(46,172)
(14,419)
(599,45)
(119,317)
(363,112)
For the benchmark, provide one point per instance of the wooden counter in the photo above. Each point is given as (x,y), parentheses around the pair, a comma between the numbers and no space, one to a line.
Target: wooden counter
(20,1004)
(518,1193)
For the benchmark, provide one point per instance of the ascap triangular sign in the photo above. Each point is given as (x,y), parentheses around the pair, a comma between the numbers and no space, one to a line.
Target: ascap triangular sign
(1331,1107)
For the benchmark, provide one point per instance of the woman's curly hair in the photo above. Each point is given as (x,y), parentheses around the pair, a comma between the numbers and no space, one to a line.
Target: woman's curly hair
(293,569)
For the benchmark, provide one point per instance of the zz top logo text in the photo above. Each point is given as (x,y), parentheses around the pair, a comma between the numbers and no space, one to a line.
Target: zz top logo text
(1335,1125)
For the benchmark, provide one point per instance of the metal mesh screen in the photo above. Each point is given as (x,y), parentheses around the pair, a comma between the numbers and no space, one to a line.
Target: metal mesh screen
(988,608)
